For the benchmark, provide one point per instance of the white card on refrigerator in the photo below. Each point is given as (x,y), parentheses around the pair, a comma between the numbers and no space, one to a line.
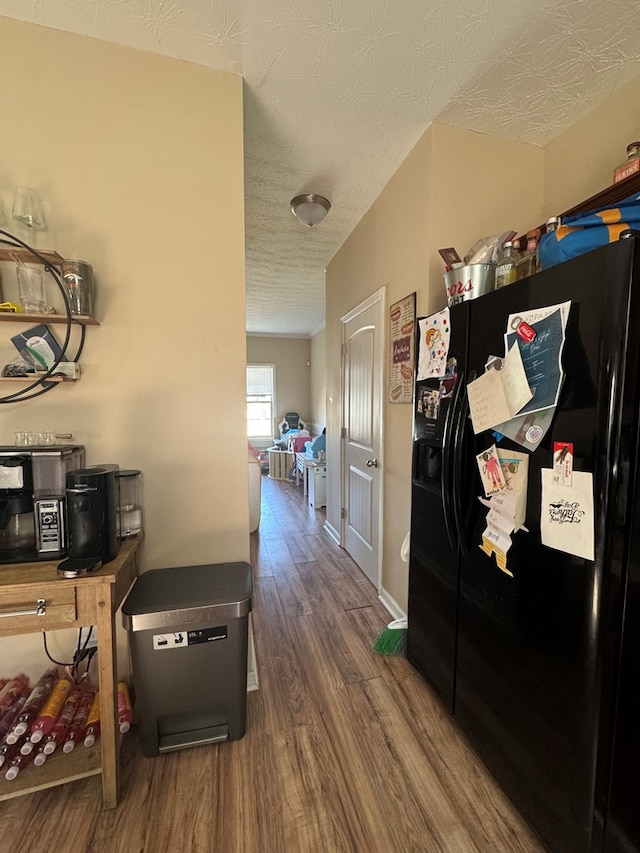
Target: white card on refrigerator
(567,520)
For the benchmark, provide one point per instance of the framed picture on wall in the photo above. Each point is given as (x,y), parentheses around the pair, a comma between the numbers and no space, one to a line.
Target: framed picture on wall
(402,322)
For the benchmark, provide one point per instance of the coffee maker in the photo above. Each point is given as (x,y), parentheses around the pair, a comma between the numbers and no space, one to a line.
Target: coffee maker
(92,512)
(32,501)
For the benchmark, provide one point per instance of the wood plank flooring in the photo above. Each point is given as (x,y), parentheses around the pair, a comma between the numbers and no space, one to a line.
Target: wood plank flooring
(345,751)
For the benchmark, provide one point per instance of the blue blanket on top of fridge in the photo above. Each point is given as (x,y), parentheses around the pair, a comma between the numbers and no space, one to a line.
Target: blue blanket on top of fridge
(585,231)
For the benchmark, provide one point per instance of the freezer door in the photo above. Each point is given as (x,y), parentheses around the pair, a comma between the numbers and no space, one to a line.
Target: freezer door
(433,563)
(536,650)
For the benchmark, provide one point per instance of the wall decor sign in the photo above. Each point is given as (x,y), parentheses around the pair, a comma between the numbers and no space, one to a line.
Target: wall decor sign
(402,323)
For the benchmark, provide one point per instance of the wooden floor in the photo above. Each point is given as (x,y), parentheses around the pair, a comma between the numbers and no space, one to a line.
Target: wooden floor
(344,750)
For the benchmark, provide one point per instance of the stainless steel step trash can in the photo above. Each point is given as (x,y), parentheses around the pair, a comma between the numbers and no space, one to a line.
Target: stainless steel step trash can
(188,628)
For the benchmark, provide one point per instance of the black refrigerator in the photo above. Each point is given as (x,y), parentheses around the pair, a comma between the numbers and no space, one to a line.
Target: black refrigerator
(540,669)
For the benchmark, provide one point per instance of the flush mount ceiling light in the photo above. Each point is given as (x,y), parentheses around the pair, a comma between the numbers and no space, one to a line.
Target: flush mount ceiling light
(310,209)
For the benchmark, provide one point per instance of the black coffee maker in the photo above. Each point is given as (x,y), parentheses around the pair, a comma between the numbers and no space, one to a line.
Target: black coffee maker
(92,512)
(17,522)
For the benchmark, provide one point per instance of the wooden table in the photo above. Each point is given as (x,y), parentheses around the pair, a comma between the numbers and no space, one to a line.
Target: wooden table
(79,602)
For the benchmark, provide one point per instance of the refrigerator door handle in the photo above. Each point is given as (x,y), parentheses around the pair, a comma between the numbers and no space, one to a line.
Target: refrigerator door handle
(458,428)
(447,466)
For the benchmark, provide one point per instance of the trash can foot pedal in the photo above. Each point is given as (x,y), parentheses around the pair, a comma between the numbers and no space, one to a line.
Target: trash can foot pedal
(196,737)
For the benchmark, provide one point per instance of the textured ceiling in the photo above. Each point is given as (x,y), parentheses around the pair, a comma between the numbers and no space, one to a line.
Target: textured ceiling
(337,92)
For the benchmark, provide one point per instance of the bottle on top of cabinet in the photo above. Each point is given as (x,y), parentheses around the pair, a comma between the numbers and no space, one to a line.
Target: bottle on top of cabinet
(552,224)
(506,269)
(631,165)
(528,263)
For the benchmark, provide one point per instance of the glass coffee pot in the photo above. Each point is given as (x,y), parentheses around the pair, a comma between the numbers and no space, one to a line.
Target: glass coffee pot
(17,524)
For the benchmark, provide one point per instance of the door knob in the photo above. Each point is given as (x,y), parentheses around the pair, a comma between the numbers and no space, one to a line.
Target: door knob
(372,463)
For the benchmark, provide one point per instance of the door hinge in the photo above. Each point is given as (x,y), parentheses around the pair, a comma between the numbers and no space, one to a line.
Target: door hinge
(343,512)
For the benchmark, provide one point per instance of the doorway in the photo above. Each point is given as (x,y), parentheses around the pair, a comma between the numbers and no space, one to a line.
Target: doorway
(361,431)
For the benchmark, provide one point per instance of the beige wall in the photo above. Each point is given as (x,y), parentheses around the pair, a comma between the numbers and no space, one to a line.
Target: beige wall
(455,186)
(318,389)
(581,161)
(450,190)
(139,160)
(293,373)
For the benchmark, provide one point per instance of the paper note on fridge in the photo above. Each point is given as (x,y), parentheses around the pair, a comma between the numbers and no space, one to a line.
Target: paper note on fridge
(541,354)
(499,394)
(567,519)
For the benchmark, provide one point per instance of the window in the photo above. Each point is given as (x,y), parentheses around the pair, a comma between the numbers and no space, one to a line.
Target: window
(260,400)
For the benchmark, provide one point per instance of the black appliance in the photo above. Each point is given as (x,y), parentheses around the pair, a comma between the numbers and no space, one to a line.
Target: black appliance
(32,501)
(542,669)
(92,513)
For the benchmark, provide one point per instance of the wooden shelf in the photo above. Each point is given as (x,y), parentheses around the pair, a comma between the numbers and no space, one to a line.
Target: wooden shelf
(9,253)
(27,380)
(93,599)
(55,319)
(607,197)
(58,768)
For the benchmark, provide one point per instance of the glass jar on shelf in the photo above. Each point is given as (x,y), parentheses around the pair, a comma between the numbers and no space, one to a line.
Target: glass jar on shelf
(631,165)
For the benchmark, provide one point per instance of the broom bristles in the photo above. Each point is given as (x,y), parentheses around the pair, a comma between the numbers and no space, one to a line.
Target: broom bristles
(391,641)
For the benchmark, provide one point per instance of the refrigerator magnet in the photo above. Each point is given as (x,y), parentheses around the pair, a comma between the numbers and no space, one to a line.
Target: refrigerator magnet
(567,520)
(490,471)
(563,463)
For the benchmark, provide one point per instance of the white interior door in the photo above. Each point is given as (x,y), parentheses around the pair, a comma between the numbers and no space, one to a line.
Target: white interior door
(362,434)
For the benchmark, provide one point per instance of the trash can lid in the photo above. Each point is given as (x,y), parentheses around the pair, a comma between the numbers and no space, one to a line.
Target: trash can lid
(223,587)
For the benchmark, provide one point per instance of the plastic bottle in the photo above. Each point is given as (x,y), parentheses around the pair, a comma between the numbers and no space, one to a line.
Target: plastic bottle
(9,750)
(40,757)
(18,763)
(50,711)
(61,725)
(11,691)
(35,701)
(11,715)
(125,711)
(27,747)
(76,729)
(506,270)
(93,722)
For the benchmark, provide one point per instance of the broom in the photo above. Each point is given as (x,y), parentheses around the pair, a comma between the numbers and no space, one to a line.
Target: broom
(393,639)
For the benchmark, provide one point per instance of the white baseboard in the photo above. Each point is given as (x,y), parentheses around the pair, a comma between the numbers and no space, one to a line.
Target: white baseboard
(333,533)
(391,604)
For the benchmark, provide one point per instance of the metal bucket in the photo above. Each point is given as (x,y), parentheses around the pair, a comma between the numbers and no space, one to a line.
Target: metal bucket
(469,282)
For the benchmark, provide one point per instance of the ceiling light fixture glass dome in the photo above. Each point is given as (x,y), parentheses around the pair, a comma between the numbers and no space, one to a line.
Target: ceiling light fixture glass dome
(310,209)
